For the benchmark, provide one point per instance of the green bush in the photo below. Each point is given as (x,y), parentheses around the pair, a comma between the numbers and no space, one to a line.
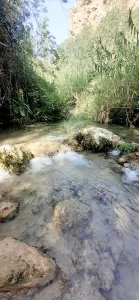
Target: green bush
(127,148)
(100,70)
(26,91)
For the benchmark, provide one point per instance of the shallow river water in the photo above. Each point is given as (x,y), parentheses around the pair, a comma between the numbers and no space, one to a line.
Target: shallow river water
(97,257)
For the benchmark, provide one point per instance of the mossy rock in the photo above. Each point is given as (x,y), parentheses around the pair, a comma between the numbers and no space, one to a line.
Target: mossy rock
(96,139)
(14,159)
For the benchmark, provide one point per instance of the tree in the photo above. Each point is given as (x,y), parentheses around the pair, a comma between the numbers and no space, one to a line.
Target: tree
(22,92)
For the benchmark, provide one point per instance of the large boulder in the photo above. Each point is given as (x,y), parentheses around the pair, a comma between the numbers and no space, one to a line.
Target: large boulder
(14,159)
(23,266)
(96,139)
(8,210)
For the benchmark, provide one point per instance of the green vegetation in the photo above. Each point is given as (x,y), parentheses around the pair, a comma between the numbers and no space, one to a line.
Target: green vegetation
(98,72)
(26,91)
(94,76)
(127,148)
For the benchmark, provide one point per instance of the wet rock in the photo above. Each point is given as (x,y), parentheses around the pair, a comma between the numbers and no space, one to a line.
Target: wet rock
(14,159)
(96,139)
(69,212)
(23,266)
(137,154)
(130,160)
(122,160)
(8,210)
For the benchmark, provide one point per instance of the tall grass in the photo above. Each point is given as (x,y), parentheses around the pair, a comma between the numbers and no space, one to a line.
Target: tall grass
(99,70)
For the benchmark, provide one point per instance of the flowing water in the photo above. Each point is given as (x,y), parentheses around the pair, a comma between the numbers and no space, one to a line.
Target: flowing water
(97,258)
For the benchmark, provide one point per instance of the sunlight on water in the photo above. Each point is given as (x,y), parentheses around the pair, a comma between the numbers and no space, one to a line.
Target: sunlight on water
(73,157)
(39,163)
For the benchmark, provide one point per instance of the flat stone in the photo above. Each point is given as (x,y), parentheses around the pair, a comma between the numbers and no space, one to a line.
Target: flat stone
(23,266)
(8,210)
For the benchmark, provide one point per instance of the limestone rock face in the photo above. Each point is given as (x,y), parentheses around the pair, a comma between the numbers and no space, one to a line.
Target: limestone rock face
(23,266)
(96,139)
(90,12)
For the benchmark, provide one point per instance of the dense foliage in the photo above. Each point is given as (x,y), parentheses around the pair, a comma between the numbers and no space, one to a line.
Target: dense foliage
(98,71)
(96,74)
(25,92)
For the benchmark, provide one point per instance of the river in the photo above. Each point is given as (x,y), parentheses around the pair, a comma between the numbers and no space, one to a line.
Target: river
(97,258)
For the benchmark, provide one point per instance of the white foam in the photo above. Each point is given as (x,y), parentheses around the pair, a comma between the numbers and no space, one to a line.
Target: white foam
(130,175)
(72,157)
(4,175)
(39,163)
(114,153)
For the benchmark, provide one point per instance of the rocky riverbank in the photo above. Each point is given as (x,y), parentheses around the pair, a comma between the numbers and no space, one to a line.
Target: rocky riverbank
(72,229)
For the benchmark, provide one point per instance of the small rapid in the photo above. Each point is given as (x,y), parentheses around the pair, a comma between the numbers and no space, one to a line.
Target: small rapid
(131,175)
(39,163)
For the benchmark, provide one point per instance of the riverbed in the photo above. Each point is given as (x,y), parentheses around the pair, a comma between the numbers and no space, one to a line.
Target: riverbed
(97,258)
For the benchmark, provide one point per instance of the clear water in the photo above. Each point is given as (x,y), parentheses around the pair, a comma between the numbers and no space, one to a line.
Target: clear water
(97,258)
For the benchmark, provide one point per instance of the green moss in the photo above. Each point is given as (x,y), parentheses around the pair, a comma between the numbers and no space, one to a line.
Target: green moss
(89,143)
(16,160)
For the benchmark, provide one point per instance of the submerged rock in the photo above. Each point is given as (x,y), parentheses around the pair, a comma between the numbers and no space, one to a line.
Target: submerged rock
(96,139)
(15,160)
(23,266)
(69,212)
(8,210)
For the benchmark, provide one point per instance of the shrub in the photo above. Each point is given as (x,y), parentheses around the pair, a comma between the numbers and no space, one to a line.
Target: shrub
(100,70)
(127,148)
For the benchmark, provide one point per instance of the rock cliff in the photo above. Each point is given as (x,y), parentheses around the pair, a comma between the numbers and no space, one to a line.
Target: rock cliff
(90,12)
